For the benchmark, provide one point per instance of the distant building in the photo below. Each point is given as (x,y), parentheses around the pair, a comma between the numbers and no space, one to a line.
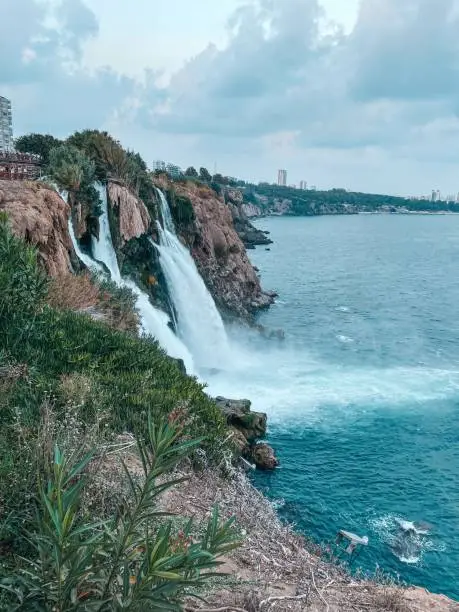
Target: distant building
(173,170)
(434,195)
(6,126)
(313,188)
(282,178)
(304,185)
(159,165)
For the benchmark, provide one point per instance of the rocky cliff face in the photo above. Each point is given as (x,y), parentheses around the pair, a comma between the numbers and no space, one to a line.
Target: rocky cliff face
(38,214)
(134,218)
(218,251)
(248,233)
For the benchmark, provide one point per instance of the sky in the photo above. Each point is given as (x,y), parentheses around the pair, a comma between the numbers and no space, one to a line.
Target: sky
(356,94)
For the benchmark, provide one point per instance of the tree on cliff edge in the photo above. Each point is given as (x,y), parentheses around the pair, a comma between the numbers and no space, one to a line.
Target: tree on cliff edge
(204,175)
(191,171)
(37,144)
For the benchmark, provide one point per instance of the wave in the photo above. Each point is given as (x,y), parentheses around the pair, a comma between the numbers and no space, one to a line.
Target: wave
(407,540)
(345,339)
(342,309)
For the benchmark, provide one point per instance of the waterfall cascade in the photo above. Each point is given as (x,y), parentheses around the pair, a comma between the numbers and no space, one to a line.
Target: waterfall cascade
(154,322)
(199,323)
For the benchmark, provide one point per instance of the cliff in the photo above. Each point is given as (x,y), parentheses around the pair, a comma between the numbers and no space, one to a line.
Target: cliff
(247,232)
(38,214)
(133,216)
(217,249)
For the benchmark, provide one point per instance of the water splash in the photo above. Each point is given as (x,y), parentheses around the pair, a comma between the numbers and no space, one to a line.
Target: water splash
(199,323)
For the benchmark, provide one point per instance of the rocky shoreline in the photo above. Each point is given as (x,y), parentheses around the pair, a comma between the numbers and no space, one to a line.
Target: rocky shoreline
(247,427)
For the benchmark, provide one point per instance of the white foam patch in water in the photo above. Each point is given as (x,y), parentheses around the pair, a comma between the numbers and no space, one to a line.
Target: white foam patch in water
(407,541)
(342,309)
(345,339)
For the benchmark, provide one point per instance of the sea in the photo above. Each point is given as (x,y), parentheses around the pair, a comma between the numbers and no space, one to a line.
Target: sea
(362,394)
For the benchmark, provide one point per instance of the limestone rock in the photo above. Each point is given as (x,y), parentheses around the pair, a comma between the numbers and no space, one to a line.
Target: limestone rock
(252,425)
(38,214)
(239,441)
(263,457)
(134,219)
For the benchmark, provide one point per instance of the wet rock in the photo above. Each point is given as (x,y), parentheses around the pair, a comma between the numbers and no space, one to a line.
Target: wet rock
(252,425)
(240,442)
(263,457)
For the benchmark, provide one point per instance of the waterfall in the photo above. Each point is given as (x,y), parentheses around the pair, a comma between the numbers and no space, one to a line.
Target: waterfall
(102,249)
(88,261)
(199,323)
(154,322)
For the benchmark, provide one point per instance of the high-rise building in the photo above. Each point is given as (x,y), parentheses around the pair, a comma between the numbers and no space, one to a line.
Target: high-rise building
(434,195)
(174,171)
(159,165)
(282,178)
(304,185)
(6,126)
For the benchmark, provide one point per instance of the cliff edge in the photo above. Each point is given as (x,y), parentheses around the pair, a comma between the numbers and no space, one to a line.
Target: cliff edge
(38,214)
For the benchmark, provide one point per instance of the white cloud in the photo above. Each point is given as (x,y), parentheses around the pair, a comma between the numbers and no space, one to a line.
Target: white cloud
(250,84)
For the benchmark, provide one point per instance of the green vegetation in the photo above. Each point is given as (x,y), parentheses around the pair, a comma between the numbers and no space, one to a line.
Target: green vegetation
(132,560)
(37,144)
(336,200)
(70,168)
(109,382)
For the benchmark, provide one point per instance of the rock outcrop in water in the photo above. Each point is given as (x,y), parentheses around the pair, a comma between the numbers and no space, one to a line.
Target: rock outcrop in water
(218,250)
(247,427)
(38,214)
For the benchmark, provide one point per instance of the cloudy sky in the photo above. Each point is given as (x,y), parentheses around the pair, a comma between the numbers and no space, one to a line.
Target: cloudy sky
(361,94)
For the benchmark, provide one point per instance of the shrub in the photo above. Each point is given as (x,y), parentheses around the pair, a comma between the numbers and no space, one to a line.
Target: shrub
(23,285)
(70,168)
(133,560)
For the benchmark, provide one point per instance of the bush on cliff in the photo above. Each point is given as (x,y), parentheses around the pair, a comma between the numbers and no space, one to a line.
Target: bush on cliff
(132,559)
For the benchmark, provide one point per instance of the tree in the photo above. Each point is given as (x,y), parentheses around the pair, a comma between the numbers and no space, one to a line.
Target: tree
(191,171)
(204,175)
(37,144)
(70,168)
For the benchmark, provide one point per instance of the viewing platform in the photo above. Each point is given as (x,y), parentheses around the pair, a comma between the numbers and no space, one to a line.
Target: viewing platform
(19,166)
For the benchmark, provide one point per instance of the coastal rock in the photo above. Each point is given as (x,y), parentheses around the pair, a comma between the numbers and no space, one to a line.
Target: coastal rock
(218,251)
(263,457)
(252,425)
(248,233)
(38,214)
(134,219)
(240,442)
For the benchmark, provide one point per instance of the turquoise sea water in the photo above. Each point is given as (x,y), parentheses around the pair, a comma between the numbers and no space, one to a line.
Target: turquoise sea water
(363,394)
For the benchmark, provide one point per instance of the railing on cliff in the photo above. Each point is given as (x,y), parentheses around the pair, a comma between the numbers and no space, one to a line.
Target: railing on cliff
(19,166)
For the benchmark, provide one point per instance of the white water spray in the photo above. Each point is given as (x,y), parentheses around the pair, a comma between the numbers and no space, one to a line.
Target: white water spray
(154,322)
(198,321)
